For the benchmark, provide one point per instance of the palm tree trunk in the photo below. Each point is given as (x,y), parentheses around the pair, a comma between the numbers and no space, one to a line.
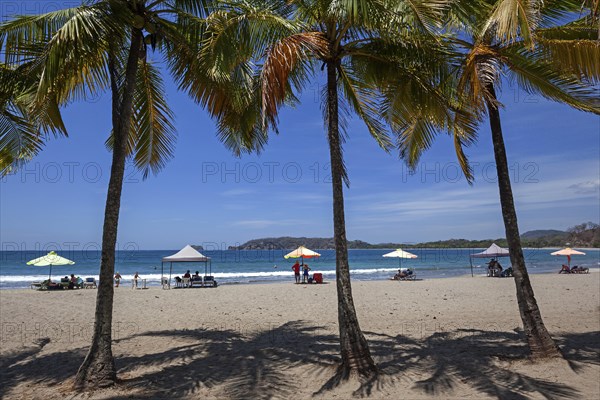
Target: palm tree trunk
(354,348)
(98,368)
(540,342)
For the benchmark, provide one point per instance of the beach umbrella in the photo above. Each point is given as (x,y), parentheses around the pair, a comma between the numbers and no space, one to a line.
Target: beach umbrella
(400,254)
(50,259)
(302,253)
(568,252)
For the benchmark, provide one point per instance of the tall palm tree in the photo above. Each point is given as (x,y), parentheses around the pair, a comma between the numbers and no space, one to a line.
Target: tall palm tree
(104,45)
(364,48)
(501,33)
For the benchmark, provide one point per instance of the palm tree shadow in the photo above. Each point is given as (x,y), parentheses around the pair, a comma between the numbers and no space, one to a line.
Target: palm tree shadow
(265,363)
(247,366)
(470,357)
(28,366)
(581,349)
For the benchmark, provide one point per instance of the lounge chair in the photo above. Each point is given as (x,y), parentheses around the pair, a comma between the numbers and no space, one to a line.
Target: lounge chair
(165,283)
(409,276)
(90,283)
(36,285)
(209,281)
(185,282)
(580,270)
(196,281)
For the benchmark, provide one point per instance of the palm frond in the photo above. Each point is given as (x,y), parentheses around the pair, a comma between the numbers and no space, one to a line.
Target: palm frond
(24,119)
(426,15)
(152,121)
(362,98)
(286,67)
(535,75)
(152,136)
(577,57)
(512,20)
(555,12)
(200,8)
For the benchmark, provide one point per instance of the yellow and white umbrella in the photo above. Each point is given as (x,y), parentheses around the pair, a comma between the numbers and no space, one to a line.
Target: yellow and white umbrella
(302,252)
(568,252)
(50,259)
(400,254)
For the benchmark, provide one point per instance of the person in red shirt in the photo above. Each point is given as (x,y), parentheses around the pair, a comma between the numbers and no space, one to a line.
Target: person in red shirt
(296,268)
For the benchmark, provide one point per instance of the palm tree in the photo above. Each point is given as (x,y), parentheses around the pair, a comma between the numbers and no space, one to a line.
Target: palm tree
(502,34)
(103,45)
(364,48)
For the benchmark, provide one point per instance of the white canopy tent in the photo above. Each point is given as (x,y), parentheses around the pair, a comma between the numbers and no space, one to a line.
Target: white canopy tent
(187,254)
(494,251)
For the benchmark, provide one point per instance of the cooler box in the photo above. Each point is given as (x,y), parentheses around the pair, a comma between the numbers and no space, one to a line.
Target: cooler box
(317,277)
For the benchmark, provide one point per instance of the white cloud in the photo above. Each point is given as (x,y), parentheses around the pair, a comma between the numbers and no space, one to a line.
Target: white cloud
(587,187)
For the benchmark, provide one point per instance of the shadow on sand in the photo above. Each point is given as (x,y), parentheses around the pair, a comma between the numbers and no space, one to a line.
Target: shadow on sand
(260,364)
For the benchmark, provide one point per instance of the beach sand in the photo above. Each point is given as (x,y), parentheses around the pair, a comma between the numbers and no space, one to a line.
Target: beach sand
(457,338)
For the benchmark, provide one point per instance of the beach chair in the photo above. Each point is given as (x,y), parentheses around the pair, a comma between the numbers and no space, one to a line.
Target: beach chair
(196,282)
(36,285)
(90,283)
(185,282)
(209,281)
(165,283)
(580,270)
(410,276)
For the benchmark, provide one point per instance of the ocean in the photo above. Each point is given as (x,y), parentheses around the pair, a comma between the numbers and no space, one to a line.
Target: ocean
(253,266)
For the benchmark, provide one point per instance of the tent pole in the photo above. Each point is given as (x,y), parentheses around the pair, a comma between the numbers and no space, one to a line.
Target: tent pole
(170,273)
(471,261)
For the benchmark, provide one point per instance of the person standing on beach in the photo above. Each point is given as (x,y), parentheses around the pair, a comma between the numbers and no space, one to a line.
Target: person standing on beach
(117,279)
(296,268)
(305,275)
(135,279)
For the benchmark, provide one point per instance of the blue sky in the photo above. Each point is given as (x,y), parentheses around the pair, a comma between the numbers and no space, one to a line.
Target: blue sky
(207,196)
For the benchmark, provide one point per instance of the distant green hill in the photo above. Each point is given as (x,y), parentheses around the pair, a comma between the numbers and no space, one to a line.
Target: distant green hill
(583,235)
(544,233)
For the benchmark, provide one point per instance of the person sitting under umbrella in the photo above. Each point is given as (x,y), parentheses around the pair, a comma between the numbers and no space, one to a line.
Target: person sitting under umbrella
(402,274)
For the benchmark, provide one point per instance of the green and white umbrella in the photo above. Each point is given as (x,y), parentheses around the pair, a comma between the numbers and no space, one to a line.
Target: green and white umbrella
(50,259)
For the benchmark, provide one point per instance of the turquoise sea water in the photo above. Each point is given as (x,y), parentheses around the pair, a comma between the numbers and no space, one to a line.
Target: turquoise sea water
(250,266)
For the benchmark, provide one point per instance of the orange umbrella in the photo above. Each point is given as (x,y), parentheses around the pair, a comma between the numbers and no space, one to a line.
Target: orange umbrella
(568,252)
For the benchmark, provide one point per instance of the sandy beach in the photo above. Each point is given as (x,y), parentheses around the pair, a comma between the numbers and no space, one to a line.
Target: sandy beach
(441,338)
